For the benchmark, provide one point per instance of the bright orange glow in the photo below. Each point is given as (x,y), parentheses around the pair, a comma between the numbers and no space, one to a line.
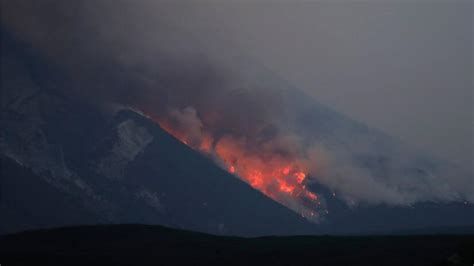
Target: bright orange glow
(206,144)
(280,177)
(255,179)
(284,187)
(273,175)
(300,177)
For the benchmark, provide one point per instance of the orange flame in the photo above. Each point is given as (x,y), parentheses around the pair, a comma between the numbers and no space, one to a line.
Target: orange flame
(278,177)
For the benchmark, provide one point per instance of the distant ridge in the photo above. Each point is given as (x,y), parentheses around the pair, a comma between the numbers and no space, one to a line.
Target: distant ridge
(447,230)
(134,244)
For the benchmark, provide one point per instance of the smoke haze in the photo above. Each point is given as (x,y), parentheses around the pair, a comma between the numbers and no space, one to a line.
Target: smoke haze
(133,53)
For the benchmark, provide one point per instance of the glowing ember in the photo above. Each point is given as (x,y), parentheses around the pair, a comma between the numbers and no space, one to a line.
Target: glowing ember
(300,176)
(284,187)
(280,177)
(311,195)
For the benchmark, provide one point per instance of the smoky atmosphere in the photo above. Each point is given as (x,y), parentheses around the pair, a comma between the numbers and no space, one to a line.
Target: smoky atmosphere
(237,132)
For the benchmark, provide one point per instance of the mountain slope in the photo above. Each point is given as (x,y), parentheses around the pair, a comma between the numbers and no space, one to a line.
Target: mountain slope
(111,167)
(28,202)
(195,193)
(120,167)
(166,183)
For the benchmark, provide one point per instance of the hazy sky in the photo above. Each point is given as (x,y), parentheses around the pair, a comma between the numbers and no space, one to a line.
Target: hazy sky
(404,67)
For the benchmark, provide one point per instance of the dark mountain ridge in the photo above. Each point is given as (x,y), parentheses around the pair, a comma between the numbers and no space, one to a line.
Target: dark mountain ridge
(151,245)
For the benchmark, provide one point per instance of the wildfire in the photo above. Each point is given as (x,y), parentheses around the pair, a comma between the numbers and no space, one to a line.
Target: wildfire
(279,177)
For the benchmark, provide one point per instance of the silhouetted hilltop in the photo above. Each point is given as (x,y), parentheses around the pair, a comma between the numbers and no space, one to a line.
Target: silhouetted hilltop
(156,245)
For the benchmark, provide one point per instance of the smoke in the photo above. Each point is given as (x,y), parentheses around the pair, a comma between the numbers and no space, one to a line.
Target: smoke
(217,101)
(401,177)
(268,160)
(360,173)
(187,121)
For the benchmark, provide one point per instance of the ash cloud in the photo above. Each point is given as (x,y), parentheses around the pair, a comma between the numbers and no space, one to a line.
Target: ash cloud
(123,52)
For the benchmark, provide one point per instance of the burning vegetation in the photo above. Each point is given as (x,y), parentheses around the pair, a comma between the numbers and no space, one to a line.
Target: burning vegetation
(271,165)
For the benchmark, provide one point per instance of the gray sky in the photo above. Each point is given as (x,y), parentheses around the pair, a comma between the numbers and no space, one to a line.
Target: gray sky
(404,67)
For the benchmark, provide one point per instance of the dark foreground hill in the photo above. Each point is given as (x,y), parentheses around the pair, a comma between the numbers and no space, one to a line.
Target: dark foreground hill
(156,245)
